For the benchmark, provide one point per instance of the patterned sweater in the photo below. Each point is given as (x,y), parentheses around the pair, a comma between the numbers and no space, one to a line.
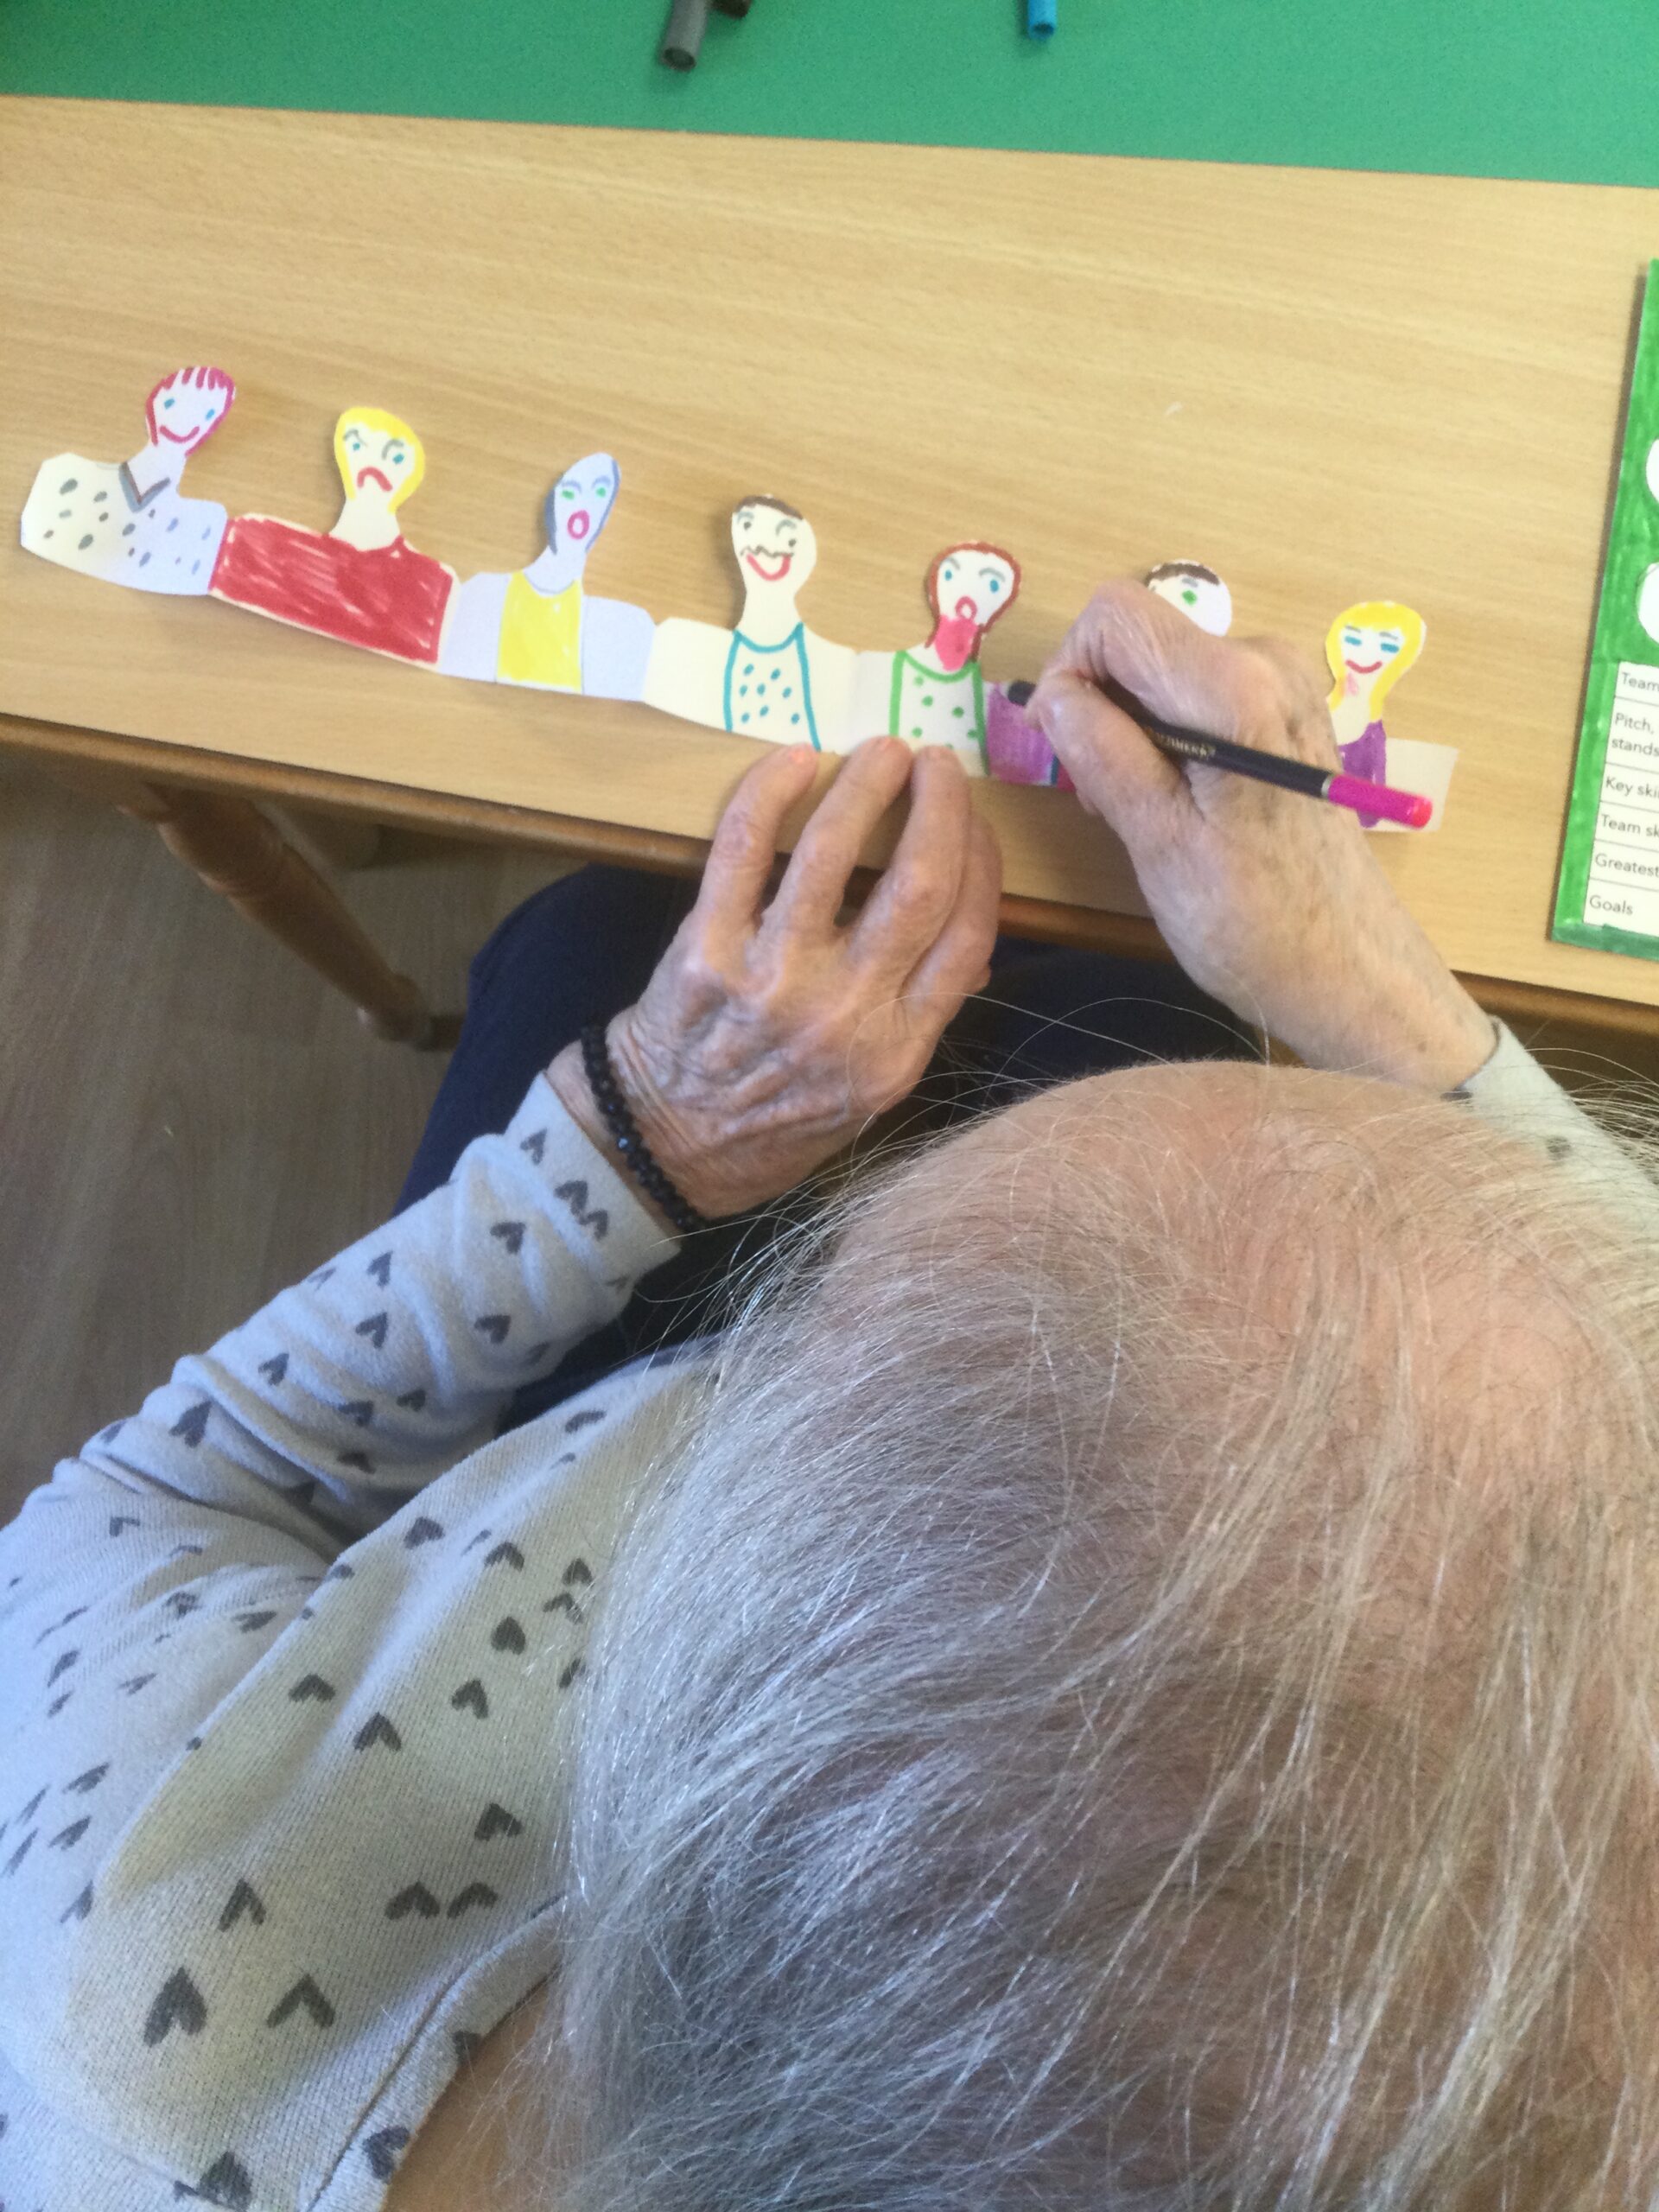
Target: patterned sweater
(288,1662)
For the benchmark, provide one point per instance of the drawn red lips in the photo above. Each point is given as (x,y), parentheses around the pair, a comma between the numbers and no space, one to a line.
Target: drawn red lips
(579,525)
(772,575)
(1364,667)
(179,437)
(363,474)
(966,610)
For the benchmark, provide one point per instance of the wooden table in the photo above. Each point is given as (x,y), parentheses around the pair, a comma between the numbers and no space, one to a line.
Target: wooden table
(1330,387)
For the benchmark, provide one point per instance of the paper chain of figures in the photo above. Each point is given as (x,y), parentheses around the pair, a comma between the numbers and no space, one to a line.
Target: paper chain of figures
(770,676)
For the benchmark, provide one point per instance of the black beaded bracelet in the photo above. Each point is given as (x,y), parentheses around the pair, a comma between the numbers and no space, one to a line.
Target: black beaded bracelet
(625,1132)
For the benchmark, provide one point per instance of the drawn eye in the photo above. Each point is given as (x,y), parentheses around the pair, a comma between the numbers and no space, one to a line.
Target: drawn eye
(1352,637)
(601,490)
(567,490)
(1390,645)
(996,583)
(1189,598)
(212,411)
(167,403)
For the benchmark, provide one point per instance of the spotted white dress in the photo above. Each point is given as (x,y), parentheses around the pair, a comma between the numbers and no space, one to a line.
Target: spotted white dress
(96,517)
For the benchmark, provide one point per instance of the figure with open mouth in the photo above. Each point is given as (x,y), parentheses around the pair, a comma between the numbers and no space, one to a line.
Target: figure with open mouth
(771,676)
(1369,647)
(934,693)
(361,582)
(127,522)
(539,625)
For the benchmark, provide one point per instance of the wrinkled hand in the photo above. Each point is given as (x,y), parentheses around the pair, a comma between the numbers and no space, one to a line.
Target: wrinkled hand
(769,1033)
(1272,903)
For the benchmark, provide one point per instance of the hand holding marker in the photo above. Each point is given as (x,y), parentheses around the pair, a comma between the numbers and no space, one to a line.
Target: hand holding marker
(1381,801)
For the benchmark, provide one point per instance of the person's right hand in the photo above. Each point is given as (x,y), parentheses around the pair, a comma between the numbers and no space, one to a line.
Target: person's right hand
(1274,902)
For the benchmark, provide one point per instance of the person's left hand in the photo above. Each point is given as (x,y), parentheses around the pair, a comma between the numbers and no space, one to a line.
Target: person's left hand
(769,1034)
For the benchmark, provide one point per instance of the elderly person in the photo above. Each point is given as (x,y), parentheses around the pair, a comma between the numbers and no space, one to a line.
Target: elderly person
(1124,1678)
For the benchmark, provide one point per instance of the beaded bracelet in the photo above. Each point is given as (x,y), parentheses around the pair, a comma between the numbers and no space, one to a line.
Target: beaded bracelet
(625,1131)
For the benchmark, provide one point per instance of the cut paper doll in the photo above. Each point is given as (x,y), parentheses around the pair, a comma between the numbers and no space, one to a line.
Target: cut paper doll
(1198,591)
(362,582)
(1369,647)
(935,694)
(128,522)
(771,676)
(1647,603)
(539,625)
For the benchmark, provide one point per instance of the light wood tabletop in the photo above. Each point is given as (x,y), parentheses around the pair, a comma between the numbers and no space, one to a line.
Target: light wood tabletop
(1330,387)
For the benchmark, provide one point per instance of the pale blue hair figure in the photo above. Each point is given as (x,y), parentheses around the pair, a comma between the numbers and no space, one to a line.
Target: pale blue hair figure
(574,511)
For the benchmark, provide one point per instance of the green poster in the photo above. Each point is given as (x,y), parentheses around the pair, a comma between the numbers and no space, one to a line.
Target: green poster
(1608,896)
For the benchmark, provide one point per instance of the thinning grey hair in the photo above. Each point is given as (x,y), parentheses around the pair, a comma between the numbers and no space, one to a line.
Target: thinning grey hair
(1139,1691)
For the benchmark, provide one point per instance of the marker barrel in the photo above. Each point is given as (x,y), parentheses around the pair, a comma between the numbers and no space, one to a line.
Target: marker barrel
(682,40)
(1040,17)
(1411,811)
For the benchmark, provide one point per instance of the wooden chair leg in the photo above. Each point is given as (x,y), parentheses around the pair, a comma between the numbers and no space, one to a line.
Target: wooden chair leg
(239,854)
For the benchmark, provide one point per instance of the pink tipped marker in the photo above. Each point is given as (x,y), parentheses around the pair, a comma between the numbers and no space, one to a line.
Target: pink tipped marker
(1381,801)
(1407,808)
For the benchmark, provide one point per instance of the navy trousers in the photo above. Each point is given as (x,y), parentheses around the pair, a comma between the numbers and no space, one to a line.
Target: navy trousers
(585,947)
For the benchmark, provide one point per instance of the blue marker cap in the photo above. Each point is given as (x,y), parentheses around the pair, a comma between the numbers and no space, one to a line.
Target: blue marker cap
(1039,18)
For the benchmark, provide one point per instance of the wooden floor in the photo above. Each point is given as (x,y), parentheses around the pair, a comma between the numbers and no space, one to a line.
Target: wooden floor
(188,1119)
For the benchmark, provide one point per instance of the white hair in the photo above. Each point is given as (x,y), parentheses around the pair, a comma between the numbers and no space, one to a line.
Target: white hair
(1140,1692)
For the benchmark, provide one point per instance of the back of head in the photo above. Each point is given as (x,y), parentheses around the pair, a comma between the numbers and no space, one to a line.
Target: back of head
(1140,1692)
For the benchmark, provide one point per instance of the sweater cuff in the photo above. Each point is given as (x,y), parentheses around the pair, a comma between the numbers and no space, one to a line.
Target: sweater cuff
(599,1198)
(1515,1094)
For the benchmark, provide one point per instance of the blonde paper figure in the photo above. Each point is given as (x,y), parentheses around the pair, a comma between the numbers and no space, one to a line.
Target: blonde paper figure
(771,676)
(128,522)
(361,582)
(935,693)
(1369,647)
(539,625)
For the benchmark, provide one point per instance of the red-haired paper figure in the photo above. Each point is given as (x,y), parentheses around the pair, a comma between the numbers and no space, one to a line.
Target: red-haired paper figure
(362,582)
(127,521)
(935,694)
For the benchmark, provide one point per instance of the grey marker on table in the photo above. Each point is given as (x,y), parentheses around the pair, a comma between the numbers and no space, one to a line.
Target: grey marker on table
(683,40)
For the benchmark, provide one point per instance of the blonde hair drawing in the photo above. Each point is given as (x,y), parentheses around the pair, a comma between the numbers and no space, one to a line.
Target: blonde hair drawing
(1382,614)
(384,425)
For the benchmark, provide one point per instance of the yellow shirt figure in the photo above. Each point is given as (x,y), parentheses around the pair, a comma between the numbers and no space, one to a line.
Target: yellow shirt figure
(541,636)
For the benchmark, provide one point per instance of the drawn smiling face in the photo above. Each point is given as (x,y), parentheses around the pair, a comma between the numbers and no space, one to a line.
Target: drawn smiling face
(773,544)
(579,506)
(381,460)
(974,585)
(184,408)
(1367,655)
